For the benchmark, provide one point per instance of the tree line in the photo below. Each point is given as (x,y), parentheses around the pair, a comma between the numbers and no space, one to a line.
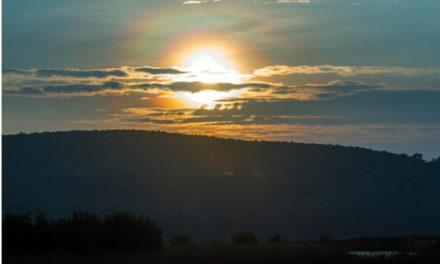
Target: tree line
(81,232)
(89,233)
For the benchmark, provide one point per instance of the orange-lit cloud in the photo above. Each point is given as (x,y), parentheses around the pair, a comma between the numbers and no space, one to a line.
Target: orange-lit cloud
(191,86)
(342,70)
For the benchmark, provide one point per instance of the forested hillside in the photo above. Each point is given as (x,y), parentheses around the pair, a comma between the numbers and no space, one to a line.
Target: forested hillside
(209,187)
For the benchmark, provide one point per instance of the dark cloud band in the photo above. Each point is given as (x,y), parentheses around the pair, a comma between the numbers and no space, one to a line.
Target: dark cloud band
(152,70)
(80,73)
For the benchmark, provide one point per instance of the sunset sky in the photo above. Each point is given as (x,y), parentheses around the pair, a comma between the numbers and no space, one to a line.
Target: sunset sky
(352,72)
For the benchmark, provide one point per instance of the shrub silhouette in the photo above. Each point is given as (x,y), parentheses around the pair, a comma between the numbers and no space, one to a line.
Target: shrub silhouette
(124,230)
(179,239)
(42,232)
(276,239)
(82,231)
(325,238)
(244,238)
(17,232)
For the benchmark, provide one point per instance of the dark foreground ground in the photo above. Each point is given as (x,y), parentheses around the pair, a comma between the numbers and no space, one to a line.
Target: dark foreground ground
(213,253)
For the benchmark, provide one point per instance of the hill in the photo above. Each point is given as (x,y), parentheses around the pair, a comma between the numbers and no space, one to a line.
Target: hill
(210,187)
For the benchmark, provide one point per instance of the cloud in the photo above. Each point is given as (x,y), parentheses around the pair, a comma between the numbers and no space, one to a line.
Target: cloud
(94,73)
(326,91)
(365,109)
(242,116)
(257,91)
(201,86)
(220,114)
(82,88)
(146,79)
(71,89)
(80,73)
(25,91)
(149,120)
(347,87)
(92,88)
(344,71)
(153,70)
(15,71)
(374,134)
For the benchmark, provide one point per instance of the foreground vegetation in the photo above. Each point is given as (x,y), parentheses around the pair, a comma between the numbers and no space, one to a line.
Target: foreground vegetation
(124,237)
(82,232)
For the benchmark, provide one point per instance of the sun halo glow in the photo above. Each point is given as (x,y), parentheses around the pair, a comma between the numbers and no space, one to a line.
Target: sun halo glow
(208,65)
(206,98)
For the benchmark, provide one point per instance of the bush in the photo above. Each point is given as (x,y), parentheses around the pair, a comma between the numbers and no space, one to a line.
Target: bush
(17,233)
(276,239)
(179,239)
(127,231)
(244,238)
(325,238)
(82,231)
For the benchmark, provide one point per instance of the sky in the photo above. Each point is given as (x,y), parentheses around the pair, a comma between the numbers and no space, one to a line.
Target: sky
(351,72)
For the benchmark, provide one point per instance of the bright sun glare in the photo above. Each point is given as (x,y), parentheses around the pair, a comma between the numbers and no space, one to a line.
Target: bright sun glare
(207,59)
(206,98)
(208,65)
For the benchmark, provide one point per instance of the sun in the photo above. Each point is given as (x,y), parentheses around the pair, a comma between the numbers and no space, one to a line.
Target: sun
(210,65)
(207,59)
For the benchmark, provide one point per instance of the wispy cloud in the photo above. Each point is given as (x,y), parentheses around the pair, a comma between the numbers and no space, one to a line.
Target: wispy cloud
(342,70)
(334,134)
(93,73)
(16,71)
(155,70)
(80,73)
(220,114)
(124,80)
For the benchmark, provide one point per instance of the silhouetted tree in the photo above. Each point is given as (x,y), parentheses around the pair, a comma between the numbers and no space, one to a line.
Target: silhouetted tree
(82,232)
(42,232)
(436,160)
(245,237)
(417,156)
(17,233)
(179,239)
(275,239)
(124,230)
